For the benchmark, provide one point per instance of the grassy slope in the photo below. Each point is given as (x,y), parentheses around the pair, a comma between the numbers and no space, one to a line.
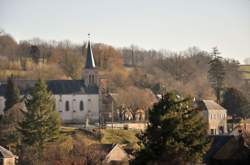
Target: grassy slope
(119,136)
(109,136)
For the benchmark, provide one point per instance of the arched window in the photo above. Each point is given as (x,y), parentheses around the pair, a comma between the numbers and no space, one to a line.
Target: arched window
(81,106)
(93,79)
(89,79)
(67,105)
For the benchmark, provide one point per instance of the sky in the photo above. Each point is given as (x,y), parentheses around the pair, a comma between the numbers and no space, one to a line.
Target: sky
(173,25)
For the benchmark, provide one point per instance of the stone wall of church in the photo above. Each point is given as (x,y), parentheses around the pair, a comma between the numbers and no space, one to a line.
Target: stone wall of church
(72,112)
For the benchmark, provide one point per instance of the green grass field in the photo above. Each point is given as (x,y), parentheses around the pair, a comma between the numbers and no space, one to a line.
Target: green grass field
(120,136)
(245,69)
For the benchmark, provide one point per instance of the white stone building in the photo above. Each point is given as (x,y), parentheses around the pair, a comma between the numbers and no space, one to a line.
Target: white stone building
(75,100)
(7,157)
(216,117)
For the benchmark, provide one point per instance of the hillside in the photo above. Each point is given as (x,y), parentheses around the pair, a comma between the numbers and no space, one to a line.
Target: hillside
(245,71)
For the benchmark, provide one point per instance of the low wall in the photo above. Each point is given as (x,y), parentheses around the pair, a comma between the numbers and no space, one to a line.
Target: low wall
(139,126)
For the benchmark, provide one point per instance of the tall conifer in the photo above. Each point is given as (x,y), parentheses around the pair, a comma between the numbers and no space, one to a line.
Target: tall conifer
(176,133)
(216,74)
(12,94)
(41,123)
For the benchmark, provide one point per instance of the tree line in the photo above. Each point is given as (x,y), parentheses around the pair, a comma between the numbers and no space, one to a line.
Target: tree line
(188,71)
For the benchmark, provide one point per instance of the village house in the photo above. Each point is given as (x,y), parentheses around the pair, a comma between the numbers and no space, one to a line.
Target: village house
(7,157)
(215,116)
(110,154)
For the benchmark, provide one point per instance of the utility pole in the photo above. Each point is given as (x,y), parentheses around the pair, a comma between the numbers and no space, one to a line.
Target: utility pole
(112,118)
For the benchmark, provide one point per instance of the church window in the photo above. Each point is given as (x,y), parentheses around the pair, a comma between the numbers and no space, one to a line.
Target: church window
(67,105)
(89,79)
(93,81)
(81,106)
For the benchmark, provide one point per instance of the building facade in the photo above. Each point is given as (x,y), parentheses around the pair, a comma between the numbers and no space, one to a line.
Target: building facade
(215,116)
(75,100)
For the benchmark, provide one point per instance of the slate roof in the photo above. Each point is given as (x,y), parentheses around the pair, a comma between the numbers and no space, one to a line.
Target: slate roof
(217,143)
(55,86)
(228,150)
(4,153)
(90,62)
(212,105)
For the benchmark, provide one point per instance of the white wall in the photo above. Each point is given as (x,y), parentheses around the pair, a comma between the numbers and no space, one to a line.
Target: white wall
(74,114)
(216,119)
(91,105)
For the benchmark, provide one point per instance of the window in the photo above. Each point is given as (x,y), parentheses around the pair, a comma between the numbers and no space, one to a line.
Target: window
(67,105)
(93,81)
(213,131)
(89,100)
(89,79)
(81,106)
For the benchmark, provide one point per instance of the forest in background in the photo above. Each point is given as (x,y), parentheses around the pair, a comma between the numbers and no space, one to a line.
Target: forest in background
(124,68)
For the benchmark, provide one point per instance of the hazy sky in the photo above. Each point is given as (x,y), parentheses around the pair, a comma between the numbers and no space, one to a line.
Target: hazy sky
(160,24)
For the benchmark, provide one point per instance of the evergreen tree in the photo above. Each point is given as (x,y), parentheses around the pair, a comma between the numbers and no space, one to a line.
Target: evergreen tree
(216,74)
(12,94)
(176,133)
(41,123)
(236,103)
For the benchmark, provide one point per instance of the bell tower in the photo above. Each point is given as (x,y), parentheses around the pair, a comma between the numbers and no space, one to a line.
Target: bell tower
(90,73)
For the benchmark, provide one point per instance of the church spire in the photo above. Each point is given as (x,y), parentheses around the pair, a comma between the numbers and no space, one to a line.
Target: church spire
(90,62)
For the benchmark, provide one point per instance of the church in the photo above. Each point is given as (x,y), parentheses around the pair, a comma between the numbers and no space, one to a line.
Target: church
(75,100)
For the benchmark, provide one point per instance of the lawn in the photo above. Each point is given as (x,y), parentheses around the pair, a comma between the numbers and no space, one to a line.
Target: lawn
(108,136)
(119,136)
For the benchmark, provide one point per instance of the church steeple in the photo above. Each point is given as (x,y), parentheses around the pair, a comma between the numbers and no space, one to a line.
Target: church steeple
(90,74)
(90,61)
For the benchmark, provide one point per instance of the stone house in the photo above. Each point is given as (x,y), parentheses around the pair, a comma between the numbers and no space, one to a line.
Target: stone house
(215,116)
(7,157)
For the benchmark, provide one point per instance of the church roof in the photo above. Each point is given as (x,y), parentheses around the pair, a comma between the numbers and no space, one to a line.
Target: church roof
(90,62)
(55,86)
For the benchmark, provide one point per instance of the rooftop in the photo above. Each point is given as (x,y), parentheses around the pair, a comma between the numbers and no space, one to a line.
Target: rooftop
(55,86)
(4,153)
(212,105)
